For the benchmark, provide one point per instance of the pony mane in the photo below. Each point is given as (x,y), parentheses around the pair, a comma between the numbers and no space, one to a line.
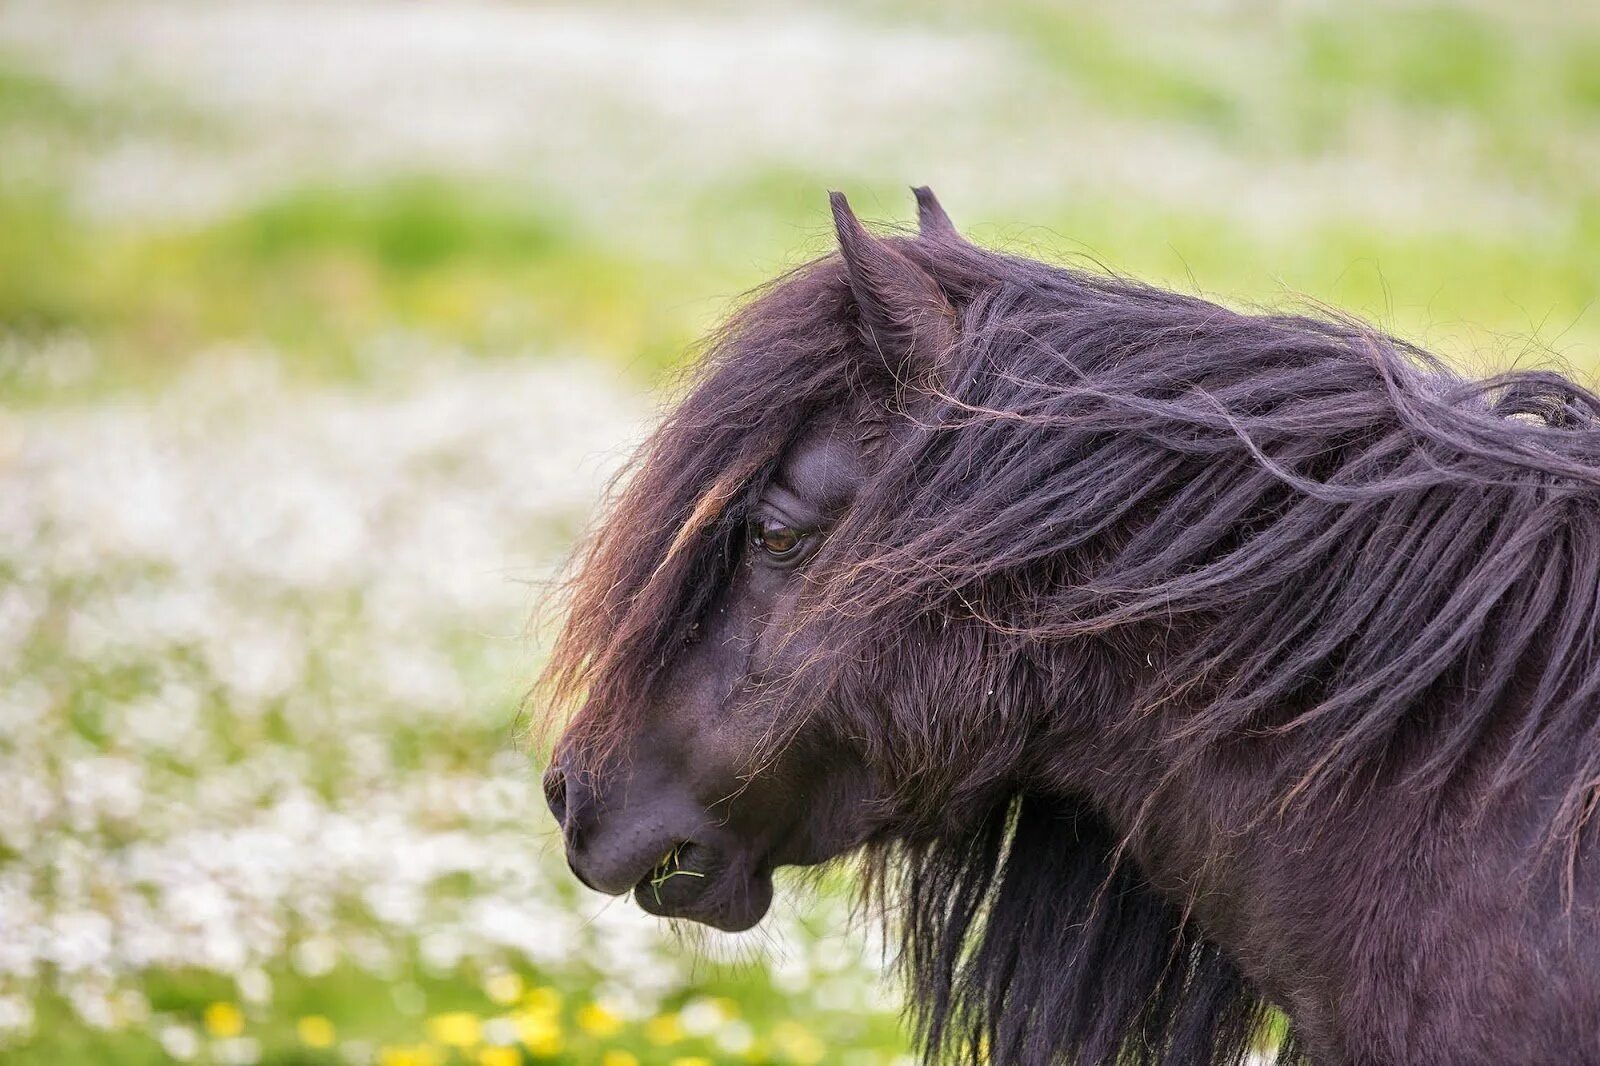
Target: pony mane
(1339,528)
(1118,501)
(1030,941)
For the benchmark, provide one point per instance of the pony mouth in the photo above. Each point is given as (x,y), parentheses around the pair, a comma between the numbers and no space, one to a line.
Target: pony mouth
(700,883)
(683,859)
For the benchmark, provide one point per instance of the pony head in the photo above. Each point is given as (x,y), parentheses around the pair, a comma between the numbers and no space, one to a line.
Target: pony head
(707,750)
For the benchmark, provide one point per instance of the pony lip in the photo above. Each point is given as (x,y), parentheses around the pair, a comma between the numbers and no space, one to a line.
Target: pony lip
(683,859)
(698,882)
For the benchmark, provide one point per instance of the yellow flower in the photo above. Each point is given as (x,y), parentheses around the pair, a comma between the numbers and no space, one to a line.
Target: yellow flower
(663,1029)
(691,1060)
(499,1056)
(597,1021)
(411,1055)
(798,1044)
(456,1029)
(224,1020)
(504,988)
(543,1001)
(539,1033)
(315,1031)
(619,1058)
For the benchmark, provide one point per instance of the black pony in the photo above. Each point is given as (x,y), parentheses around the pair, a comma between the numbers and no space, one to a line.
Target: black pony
(1165,664)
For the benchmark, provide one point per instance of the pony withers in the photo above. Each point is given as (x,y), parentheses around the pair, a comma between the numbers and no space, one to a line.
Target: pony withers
(1164,666)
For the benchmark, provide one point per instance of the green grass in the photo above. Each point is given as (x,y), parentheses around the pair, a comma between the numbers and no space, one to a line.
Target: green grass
(31,100)
(1121,72)
(321,272)
(1426,57)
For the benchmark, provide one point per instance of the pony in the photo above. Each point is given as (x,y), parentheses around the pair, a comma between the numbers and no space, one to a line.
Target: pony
(1192,685)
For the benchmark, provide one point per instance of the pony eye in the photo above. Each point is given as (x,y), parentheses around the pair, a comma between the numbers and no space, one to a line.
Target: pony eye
(776,539)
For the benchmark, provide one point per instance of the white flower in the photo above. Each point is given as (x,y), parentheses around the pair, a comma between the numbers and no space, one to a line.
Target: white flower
(16,1018)
(179,1041)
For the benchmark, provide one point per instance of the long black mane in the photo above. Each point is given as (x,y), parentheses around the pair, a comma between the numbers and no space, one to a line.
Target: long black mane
(1108,502)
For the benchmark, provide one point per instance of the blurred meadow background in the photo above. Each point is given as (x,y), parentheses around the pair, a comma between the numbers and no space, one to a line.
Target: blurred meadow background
(322,324)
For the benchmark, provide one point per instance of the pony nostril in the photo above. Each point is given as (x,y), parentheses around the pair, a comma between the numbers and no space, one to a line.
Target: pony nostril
(555,794)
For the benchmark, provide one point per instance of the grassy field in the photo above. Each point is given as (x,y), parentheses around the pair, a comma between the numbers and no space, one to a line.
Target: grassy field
(321,327)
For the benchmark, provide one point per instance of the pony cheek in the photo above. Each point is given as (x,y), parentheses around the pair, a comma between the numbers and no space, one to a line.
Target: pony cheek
(847,814)
(780,649)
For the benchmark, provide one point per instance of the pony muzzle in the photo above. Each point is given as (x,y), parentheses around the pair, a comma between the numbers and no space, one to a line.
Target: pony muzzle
(663,850)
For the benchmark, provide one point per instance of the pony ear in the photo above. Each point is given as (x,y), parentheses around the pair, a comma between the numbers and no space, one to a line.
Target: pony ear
(905,316)
(932,222)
